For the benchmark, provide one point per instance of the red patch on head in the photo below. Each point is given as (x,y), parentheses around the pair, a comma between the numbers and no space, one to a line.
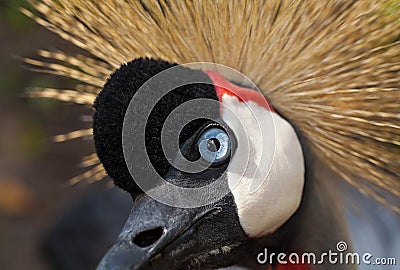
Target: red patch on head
(224,87)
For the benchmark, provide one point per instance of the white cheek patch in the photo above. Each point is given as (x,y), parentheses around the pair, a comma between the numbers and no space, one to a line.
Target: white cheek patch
(266,172)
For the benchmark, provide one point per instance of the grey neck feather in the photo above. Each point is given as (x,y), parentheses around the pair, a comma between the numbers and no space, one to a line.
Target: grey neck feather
(319,223)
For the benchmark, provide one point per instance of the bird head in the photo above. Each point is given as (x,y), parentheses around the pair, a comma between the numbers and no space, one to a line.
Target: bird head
(209,163)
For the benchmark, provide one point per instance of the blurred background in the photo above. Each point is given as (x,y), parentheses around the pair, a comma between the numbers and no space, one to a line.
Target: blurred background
(36,205)
(34,196)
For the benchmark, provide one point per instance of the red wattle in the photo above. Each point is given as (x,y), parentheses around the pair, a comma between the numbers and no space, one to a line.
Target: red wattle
(290,266)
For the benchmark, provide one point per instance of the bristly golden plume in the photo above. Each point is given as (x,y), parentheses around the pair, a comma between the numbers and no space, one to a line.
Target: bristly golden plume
(331,67)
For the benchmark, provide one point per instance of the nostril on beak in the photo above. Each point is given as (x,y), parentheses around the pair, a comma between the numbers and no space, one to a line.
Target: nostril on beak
(148,238)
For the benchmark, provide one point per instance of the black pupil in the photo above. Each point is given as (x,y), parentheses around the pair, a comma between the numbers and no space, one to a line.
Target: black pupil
(213,144)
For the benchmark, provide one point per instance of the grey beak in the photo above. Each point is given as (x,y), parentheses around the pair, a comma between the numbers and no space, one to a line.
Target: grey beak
(151,227)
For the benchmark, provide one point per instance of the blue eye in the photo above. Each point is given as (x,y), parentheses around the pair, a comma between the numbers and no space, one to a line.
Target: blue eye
(214,145)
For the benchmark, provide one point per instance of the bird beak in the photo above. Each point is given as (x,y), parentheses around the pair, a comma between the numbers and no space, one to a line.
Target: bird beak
(151,234)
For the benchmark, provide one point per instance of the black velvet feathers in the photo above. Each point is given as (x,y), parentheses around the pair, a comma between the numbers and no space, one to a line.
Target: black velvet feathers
(113,101)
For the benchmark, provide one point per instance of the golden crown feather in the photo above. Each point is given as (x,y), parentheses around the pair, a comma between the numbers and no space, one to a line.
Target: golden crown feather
(332,68)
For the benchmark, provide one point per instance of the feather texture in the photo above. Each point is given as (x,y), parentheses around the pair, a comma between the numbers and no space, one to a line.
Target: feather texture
(332,68)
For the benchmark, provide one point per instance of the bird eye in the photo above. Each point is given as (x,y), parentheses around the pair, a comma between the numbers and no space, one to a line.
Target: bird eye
(214,145)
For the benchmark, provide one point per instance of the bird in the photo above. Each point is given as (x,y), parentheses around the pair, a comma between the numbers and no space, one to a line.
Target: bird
(293,95)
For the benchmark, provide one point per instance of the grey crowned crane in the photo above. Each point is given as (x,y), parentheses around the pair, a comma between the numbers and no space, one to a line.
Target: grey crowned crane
(219,171)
